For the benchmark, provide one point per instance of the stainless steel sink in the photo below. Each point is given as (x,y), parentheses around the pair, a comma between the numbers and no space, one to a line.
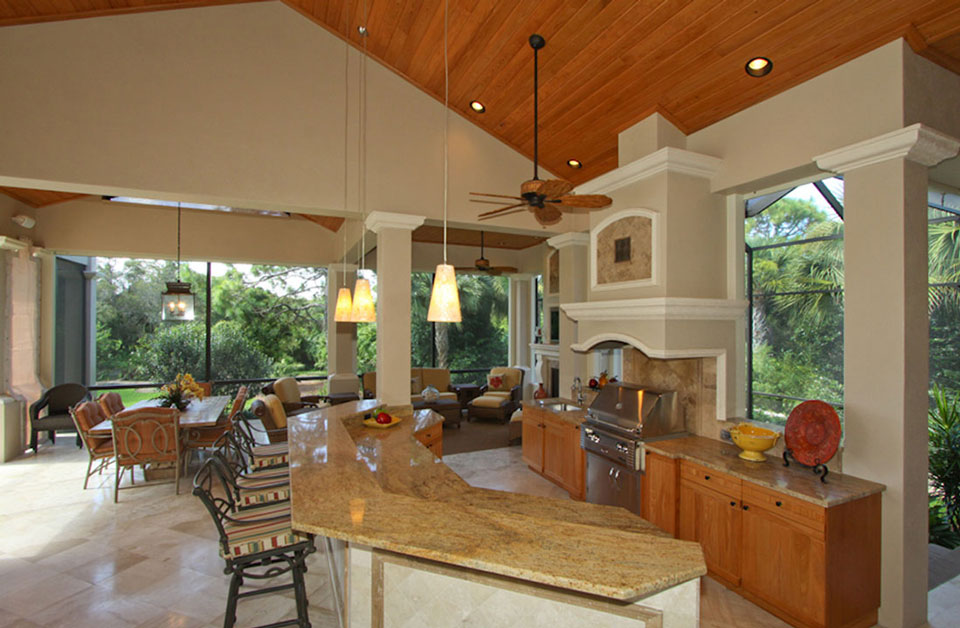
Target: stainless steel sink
(560,406)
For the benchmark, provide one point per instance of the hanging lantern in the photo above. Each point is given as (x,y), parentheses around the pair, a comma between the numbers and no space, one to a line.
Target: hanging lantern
(344,311)
(445,297)
(363,308)
(177,302)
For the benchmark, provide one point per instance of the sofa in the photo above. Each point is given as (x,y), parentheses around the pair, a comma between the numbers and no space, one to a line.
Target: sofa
(420,378)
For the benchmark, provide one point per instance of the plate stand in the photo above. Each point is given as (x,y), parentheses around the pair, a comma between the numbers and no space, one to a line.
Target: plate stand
(818,469)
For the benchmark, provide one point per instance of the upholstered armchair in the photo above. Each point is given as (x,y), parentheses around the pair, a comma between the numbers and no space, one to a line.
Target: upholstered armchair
(499,397)
(287,391)
(57,402)
(270,411)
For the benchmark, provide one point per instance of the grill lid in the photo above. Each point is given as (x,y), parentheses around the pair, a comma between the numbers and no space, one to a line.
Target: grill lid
(637,408)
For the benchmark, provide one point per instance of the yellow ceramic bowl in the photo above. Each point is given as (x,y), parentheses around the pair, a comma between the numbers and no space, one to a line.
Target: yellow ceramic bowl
(753,441)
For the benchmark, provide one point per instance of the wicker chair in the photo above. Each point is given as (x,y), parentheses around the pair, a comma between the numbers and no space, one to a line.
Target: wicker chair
(57,401)
(85,416)
(287,391)
(256,544)
(147,436)
(195,438)
(271,413)
(498,402)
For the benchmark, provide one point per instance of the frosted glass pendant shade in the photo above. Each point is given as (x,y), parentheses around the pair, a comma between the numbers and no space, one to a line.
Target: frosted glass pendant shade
(363,310)
(344,311)
(445,298)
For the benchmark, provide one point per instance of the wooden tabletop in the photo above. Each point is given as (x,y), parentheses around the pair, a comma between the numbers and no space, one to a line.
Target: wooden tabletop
(200,413)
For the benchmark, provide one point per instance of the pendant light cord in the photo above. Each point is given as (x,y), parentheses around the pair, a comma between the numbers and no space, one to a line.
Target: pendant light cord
(446,124)
(178,241)
(536,114)
(364,33)
(346,140)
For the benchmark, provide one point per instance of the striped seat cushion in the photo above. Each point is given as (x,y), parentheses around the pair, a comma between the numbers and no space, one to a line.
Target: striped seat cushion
(259,497)
(246,536)
(267,476)
(264,487)
(271,450)
(270,455)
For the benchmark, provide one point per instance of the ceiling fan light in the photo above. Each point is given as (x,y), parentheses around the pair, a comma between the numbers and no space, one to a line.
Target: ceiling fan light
(759,66)
(363,310)
(344,311)
(445,297)
(574,163)
(477,106)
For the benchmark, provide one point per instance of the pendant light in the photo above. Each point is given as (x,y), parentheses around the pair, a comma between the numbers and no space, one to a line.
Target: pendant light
(363,309)
(177,302)
(445,297)
(344,310)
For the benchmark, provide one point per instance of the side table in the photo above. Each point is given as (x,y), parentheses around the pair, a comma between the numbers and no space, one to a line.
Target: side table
(465,392)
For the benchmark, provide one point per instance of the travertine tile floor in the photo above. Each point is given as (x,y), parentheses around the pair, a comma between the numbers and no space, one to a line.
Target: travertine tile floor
(73,558)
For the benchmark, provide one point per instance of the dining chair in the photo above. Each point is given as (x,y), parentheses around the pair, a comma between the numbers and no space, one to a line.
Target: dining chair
(256,544)
(252,455)
(196,438)
(147,436)
(111,403)
(85,416)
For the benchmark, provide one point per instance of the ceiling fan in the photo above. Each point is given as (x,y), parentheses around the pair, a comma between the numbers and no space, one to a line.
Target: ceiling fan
(482,264)
(548,199)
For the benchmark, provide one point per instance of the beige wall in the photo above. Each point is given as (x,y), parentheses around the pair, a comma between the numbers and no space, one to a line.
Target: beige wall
(240,105)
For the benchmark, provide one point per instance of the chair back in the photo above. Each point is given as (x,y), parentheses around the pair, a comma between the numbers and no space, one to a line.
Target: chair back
(238,402)
(287,390)
(146,435)
(206,387)
(111,403)
(370,384)
(219,508)
(87,415)
(62,397)
(510,376)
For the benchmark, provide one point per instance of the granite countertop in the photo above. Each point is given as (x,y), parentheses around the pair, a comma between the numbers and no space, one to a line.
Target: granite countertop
(382,488)
(795,480)
(573,417)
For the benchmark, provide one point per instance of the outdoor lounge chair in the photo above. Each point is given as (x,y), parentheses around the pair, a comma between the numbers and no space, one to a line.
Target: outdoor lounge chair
(500,396)
(57,401)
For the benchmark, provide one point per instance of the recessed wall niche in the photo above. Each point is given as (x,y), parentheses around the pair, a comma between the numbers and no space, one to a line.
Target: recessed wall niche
(623,250)
(553,273)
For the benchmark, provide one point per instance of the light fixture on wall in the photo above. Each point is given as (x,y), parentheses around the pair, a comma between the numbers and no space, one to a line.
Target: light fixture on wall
(363,310)
(177,302)
(344,310)
(24,221)
(445,298)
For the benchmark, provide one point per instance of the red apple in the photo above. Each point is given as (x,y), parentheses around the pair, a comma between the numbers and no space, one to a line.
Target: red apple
(593,382)
(383,418)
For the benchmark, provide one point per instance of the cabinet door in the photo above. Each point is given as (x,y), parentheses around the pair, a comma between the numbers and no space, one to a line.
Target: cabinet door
(659,495)
(555,454)
(713,520)
(532,452)
(784,565)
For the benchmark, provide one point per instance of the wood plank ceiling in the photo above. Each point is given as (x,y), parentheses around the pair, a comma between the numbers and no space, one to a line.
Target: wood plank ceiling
(608,63)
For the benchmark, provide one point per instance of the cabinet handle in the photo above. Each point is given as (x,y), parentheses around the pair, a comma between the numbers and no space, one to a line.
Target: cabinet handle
(779,504)
(746,507)
(733,503)
(706,477)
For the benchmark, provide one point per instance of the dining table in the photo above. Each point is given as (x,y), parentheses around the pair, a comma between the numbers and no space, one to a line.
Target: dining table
(199,413)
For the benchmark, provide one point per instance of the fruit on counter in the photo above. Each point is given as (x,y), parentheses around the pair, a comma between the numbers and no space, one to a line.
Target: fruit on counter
(383,418)
(613,380)
(603,379)
(593,383)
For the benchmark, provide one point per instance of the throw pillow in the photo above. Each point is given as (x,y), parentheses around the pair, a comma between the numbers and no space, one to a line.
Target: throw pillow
(495,382)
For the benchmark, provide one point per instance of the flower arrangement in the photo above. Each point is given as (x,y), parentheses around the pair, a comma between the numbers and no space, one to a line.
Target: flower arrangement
(180,391)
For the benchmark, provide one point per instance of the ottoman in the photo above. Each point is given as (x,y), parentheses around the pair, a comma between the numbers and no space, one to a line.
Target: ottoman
(448,408)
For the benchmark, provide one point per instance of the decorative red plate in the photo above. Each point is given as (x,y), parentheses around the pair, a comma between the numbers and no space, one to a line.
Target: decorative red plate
(812,433)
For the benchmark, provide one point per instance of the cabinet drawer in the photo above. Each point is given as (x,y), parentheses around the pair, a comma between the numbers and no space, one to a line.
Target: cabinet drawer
(715,480)
(432,433)
(790,508)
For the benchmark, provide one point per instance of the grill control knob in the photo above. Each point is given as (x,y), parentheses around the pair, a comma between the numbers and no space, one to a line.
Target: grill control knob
(593,438)
(622,448)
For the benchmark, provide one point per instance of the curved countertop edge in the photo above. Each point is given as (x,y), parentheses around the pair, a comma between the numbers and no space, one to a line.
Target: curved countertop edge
(796,480)
(535,539)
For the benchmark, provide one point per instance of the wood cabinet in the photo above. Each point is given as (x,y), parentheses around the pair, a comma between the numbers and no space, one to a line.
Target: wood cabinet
(551,447)
(811,566)
(432,439)
(660,492)
(710,514)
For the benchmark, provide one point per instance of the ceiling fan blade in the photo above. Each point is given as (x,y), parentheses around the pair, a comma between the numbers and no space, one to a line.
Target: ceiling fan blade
(513,211)
(502,209)
(552,188)
(516,198)
(586,201)
(548,215)
(478,200)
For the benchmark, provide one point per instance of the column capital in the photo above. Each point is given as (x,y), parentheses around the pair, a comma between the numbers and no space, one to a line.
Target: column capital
(569,239)
(378,220)
(916,142)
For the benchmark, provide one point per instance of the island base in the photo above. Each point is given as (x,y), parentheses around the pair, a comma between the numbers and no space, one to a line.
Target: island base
(387,590)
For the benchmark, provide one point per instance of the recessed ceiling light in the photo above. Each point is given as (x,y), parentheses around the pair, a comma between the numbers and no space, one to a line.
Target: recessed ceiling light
(477,106)
(573,163)
(759,66)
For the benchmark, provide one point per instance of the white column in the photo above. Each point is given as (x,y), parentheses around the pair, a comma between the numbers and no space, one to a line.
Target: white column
(90,277)
(341,337)
(521,327)
(886,347)
(394,259)
(574,249)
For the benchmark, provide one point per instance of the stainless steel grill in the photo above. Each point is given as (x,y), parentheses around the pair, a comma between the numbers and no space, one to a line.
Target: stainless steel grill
(618,421)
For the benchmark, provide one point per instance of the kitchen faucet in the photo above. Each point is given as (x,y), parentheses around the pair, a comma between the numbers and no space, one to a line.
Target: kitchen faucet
(578,389)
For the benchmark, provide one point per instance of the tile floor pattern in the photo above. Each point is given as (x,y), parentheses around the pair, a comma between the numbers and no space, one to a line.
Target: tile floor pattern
(70,557)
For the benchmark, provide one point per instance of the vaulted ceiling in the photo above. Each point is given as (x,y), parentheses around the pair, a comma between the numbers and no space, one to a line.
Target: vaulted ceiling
(607,64)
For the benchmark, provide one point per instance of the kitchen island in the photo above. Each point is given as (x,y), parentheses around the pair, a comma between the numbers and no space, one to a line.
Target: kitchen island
(418,546)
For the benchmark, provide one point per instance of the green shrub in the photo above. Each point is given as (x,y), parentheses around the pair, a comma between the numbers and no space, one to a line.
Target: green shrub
(943,426)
